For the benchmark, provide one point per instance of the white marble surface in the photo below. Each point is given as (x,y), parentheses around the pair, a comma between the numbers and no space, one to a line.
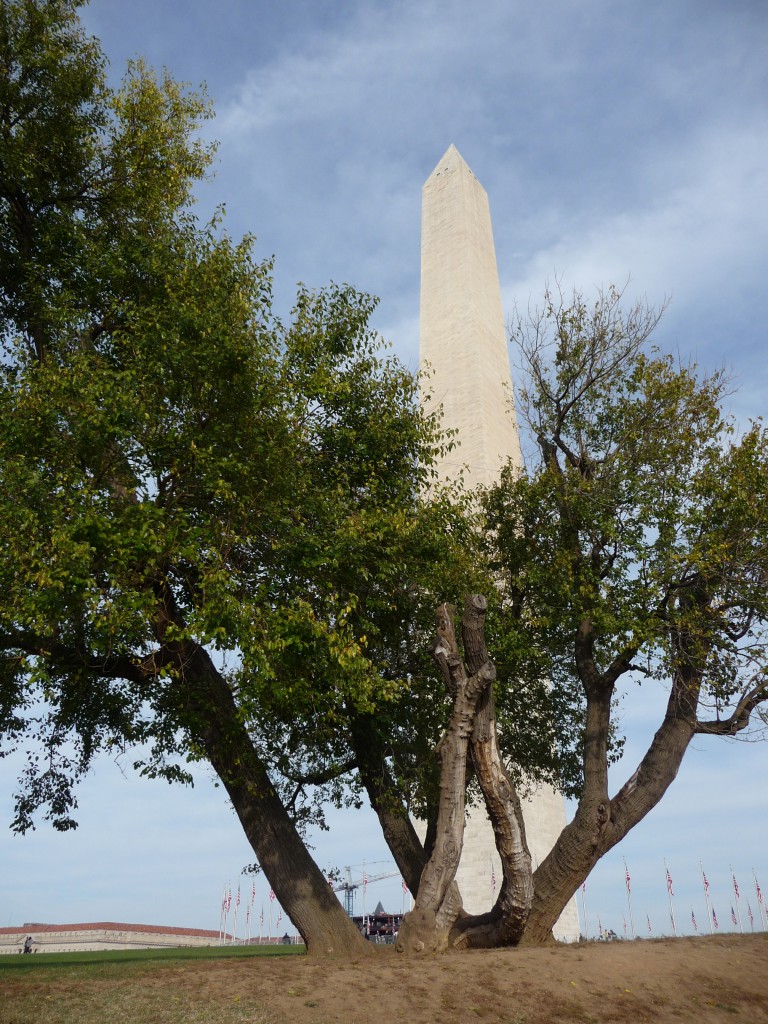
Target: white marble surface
(463,348)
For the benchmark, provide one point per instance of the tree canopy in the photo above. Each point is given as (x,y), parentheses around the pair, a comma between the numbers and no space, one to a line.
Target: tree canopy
(214,544)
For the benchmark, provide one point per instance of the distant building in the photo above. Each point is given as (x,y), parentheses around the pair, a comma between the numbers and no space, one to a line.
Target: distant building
(69,938)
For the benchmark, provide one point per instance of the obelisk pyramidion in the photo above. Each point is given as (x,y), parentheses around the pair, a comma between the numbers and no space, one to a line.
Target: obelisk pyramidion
(463,350)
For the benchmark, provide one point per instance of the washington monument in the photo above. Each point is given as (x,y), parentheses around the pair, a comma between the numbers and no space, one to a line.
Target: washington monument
(463,351)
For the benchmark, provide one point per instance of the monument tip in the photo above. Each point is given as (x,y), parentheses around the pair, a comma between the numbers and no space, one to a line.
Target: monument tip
(449,161)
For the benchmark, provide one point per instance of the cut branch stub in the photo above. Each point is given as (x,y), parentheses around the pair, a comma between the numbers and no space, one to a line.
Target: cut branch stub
(473,632)
(445,649)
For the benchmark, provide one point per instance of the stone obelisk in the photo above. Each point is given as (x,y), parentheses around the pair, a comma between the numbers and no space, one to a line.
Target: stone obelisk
(463,352)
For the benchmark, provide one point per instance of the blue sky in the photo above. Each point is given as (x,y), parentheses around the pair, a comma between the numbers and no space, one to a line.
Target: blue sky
(617,142)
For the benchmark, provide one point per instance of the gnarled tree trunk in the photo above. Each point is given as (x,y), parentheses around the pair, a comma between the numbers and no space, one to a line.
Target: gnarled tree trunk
(437,920)
(428,925)
(298,883)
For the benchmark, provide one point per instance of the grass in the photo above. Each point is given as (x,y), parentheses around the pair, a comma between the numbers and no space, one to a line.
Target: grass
(135,986)
(19,962)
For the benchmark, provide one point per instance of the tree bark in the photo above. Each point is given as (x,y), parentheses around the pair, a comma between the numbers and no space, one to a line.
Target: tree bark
(385,799)
(298,883)
(505,922)
(208,710)
(428,925)
(600,822)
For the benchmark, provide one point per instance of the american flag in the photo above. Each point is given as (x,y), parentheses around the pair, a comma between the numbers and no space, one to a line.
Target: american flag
(733,916)
(405,887)
(669,884)
(693,922)
(714,920)
(627,878)
(365,880)
(493,879)
(271,895)
(759,892)
(253,893)
(279,919)
(237,898)
(647,918)
(706,883)
(229,899)
(751,918)
(735,886)
(261,919)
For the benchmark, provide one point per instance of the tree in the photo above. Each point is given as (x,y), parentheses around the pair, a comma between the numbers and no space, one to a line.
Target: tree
(634,549)
(213,543)
(218,540)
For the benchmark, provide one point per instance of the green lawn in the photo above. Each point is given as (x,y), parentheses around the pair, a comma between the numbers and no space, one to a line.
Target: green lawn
(15,962)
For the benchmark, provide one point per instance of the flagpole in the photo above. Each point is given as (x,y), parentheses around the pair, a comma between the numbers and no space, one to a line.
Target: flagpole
(629,898)
(221,916)
(226,912)
(670,893)
(584,908)
(234,924)
(736,890)
(761,909)
(365,883)
(706,899)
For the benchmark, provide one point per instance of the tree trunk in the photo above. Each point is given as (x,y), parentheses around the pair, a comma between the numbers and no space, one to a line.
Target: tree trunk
(600,823)
(298,883)
(385,799)
(505,922)
(428,925)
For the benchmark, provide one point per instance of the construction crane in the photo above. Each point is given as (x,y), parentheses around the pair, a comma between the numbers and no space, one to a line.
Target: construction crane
(348,886)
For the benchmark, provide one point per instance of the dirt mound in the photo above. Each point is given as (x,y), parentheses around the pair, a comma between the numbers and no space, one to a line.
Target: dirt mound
(701,979)
(708,979)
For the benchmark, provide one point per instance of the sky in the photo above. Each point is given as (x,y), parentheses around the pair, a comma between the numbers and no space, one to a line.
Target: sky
(622,143)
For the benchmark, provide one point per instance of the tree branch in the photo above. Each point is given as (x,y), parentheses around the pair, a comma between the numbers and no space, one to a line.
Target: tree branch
(739,720)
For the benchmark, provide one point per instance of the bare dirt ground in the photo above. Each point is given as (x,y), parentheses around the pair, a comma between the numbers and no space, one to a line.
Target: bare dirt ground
(708,979)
